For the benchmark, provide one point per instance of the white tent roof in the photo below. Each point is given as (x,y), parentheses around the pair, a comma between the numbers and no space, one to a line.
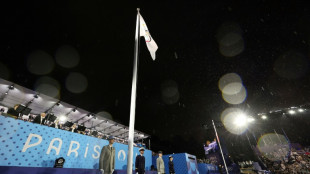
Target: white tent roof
(44,103)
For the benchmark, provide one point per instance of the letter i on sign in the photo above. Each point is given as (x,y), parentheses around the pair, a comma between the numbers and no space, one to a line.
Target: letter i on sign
(86,150)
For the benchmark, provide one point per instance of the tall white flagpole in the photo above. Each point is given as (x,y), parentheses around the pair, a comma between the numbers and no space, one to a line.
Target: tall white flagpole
(133,97)
(220,147)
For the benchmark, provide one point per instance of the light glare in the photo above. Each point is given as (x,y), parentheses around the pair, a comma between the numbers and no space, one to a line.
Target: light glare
(234,120)
(62,118)
(264,117)
(240,120)
(291,112)
(300,110)
(250,119)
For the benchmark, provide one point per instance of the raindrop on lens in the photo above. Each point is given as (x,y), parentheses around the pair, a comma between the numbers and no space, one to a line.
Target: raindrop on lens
(236,98)
(48,86)
(170,92)
(76,82)
(40,63)
(104,115)
(229,37)
(67,56)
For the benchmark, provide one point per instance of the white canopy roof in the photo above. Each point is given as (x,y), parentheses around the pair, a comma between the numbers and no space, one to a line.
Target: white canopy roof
(43,103)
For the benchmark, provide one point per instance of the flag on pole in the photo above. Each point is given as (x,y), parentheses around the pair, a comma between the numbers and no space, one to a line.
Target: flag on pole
(150,43)
(141,30)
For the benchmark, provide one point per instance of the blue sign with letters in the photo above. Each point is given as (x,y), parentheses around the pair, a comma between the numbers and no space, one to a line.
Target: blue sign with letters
(183,163)
(33,145)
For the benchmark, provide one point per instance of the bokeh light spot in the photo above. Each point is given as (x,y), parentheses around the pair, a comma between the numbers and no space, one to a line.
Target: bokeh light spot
(104,115)
(67,56)
(273,146)
(48,86)
(76,82)
(40,63)
(170,92)
(232,88)
(236,98)
(229,81)
(229,37)
(232,50)
(234,120)
(240,120)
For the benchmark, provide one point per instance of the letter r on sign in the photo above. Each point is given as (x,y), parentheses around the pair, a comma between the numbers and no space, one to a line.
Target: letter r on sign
(74,150)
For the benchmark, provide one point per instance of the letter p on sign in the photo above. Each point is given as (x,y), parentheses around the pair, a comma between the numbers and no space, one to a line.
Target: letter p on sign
(27,145)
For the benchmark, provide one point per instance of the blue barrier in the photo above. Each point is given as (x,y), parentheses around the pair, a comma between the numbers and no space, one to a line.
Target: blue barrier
(183,163)
(207,168)
(213,169)
(39,170)
(33,145)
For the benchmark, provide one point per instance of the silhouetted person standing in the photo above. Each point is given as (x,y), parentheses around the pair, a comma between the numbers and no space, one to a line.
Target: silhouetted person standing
(107,157)
(140,162)
(171,165)
(160,163)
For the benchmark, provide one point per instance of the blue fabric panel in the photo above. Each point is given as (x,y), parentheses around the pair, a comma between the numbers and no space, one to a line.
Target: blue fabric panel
(33,145)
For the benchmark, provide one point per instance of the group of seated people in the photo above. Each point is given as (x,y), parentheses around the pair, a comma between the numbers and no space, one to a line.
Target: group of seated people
(298,161)
(23,113)
(45,119)
(293,161)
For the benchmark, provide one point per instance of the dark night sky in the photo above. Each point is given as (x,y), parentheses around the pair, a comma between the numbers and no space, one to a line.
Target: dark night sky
(273,64)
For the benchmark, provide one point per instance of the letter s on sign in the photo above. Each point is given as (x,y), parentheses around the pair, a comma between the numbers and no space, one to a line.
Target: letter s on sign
(97,152)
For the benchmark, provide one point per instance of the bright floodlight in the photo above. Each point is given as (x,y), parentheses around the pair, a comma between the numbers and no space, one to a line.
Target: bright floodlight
(234,120)
(250,119)
(62,118)
(291,112)
(264,117)
(240,120)
(300,110)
